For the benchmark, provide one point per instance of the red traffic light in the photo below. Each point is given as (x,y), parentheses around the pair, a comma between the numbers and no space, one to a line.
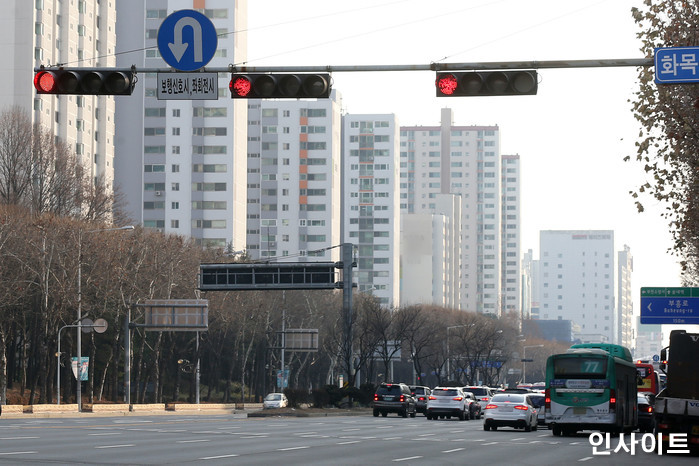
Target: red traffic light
(280,86)
(240,86)
(85,81)
(447,84)
(487,83)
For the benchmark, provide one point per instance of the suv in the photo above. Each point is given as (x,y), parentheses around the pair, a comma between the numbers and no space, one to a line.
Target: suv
(482,394)
(420,394)
(394,398)
(447,402)
(474,406)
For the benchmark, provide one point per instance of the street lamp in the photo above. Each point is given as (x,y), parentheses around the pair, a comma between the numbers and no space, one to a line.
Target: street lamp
(524,361)
(78,390)
(448,353)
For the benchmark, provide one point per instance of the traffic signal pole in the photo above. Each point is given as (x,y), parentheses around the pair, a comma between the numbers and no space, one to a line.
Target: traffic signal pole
(462,66)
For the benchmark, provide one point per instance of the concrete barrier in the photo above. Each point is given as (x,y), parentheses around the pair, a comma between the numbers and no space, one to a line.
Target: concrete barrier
(148,407)
(47,409)
(200,407)
(109,408)
(15,409)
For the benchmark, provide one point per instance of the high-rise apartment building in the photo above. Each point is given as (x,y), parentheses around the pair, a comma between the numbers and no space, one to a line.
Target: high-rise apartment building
(182,164)
(576,276)
(370,204)
(80,33)
(293,179)
(466,160)
(624,308)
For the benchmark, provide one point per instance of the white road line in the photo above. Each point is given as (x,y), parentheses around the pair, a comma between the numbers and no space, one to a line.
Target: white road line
(454,450)
(117,446)
(18,452)
(293,448)
(218,457)
(343,430)
(17,438)
(513,440)
(391,438)
(305,433)
(490,443)
(105,433)
(192,441)
(586,458)
(407,459)
(348,443)
(421,435)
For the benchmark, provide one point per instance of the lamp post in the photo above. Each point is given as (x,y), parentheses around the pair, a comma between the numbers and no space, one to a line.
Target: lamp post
(78,390)
(448,353)
(524,361)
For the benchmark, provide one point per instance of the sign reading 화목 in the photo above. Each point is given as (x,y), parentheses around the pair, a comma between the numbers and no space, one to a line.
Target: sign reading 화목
(676,65)
(187,40)
(187,86)
(669,305)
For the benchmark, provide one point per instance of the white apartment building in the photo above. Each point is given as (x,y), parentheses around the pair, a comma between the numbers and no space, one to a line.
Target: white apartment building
(293,179)
(466,160)
(182,163)
(624,308)
(80,33)
(370,204)
(576,273)
(511,231)
(431,255)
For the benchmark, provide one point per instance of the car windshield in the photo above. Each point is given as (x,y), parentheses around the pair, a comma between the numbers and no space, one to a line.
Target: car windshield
(273,397)
(418,391)
(507,398)
(389,390)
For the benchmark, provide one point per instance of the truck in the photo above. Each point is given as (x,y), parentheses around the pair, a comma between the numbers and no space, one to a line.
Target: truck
(676,409)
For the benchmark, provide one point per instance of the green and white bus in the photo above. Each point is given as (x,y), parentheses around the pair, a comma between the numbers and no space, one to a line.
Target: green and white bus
(591,387)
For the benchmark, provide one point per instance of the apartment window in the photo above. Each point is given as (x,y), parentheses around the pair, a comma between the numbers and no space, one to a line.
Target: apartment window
(175,131)
(175,149)
(175,187)
(174,223)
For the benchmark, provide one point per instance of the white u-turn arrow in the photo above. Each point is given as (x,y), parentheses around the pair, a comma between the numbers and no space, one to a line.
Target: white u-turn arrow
(178,48)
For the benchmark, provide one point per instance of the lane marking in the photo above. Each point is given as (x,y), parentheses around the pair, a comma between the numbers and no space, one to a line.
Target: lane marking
(407,459)
(116,446)
(218,457)
(454,450)
(192,441)
(348,443)
(17,438)
(586,458)
(293,448)
(18,452)
(490,443)
(105,434)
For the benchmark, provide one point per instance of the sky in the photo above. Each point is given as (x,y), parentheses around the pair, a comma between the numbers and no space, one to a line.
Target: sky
(571,137)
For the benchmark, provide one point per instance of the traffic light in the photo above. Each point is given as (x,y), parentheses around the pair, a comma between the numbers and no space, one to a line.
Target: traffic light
(486,83)
(85,81)
(280,86)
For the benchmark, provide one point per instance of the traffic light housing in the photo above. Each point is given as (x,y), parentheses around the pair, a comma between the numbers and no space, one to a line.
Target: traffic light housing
(280,86)
(85,81)
(486,83)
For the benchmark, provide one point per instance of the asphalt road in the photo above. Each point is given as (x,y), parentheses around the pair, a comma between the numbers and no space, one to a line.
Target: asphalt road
(337,440)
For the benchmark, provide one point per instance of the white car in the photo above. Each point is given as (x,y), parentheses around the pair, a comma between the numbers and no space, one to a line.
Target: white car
(447,402)
(511,410)
(275,400)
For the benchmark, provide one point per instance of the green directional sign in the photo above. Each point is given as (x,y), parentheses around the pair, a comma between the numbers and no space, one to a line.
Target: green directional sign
(670,305)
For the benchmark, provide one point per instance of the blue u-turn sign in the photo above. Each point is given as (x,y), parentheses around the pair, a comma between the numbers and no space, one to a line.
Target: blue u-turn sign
(187,40)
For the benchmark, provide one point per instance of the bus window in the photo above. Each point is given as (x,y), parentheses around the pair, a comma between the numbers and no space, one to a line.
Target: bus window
(579,367)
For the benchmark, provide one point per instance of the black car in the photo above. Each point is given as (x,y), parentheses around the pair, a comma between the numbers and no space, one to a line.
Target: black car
(394,398)
(421,394)
(645,412)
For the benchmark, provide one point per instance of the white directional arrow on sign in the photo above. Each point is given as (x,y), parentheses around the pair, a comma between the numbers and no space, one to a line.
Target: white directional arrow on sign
(178,48)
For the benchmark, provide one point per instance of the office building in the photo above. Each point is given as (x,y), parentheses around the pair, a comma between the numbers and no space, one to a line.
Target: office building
(577,281)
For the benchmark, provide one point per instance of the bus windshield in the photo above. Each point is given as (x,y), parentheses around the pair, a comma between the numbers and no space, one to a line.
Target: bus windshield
(579,367)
